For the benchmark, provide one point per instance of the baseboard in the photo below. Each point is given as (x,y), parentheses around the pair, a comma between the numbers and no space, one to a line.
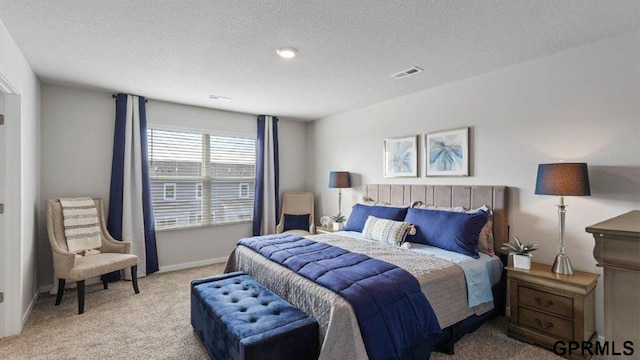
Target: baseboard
(507,311)
(192,264)
(163,269)
(26,314)
(70,285)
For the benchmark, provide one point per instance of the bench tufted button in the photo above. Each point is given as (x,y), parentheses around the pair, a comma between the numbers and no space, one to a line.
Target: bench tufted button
(227,308)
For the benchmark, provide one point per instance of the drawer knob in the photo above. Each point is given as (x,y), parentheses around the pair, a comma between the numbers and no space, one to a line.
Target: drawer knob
(544,326)
(542,303)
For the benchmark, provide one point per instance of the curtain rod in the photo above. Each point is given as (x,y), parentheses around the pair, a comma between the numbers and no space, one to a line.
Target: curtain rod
(113,96)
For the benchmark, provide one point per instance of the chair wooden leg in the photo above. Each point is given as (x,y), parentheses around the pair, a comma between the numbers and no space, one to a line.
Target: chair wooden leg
(105,283)
(61,283)
(134,278)
(80,297)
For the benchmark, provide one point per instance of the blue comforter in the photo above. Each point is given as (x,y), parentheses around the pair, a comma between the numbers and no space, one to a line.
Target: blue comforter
(394,316)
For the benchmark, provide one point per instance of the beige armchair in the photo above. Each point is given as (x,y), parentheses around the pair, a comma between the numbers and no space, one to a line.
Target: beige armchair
(297,203)
(114,255)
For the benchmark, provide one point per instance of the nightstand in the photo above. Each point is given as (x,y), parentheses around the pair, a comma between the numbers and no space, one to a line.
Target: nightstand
(324,230)
(547,307)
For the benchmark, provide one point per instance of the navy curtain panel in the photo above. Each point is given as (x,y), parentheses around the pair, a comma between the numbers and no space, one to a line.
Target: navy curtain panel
(265,203)
(130,209)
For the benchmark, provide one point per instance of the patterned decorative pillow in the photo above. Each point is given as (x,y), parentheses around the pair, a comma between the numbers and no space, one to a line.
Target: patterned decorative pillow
(386,231)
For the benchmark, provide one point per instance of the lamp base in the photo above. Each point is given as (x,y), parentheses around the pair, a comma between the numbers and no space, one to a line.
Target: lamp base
(562,265)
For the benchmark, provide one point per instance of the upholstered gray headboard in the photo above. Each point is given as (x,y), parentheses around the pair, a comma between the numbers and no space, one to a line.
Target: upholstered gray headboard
(471,197)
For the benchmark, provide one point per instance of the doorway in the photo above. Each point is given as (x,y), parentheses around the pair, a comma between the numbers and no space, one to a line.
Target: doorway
(3,228)
(10,307)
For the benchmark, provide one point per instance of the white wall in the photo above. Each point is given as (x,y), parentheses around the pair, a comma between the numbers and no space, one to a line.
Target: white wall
(579,105)
(25,155)
(184,246)
(77,145)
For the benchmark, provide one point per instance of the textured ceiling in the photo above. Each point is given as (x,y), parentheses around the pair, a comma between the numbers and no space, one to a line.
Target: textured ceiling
(182,51)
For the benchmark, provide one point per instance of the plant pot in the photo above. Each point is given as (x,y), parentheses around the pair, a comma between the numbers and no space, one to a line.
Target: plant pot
(522,261)
(338,226)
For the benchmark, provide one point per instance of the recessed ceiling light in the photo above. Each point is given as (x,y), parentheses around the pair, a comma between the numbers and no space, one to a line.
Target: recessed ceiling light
(218,97)
(287,52)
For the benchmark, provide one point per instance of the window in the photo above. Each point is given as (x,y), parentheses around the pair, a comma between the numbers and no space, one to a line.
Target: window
(199,191)
(169,191)
(243,190)
(200,178)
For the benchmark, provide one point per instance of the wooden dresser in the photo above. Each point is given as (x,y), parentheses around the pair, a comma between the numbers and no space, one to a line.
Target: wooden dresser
(617,250)
(547,307)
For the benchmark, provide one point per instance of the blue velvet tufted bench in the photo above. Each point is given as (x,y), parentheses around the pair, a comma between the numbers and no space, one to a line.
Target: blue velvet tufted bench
(237,318)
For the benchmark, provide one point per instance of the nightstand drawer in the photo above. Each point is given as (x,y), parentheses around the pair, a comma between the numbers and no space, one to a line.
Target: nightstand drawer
(546,301)
(547,323)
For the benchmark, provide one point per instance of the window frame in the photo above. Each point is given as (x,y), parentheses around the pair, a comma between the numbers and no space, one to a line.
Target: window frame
(206,179)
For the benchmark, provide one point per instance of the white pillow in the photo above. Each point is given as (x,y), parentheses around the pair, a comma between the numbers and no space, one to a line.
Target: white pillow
(386,231)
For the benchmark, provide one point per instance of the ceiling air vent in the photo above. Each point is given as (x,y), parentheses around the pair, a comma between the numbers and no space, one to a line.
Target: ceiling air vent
(414,70)
(218,97)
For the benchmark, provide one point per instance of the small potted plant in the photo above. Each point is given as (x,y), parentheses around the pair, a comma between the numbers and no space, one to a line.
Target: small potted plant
(521,253)
(338,222)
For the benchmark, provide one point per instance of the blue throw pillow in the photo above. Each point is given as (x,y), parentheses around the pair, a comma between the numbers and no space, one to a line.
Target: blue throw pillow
(360,213)
(447,230)
(296,222)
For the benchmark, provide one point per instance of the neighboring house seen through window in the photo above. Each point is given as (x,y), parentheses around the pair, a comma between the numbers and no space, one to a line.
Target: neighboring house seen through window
(200,178)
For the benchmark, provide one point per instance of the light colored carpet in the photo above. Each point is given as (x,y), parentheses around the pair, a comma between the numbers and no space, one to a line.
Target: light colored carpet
(155,324)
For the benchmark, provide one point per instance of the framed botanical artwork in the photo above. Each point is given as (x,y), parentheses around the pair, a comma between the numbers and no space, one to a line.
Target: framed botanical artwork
(447,152)
(401,157)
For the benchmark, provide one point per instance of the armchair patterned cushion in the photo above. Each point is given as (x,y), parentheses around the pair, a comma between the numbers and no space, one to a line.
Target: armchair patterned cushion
(114,255)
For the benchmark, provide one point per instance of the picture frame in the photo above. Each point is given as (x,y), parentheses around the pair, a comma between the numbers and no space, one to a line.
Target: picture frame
(401,157)
(447,152)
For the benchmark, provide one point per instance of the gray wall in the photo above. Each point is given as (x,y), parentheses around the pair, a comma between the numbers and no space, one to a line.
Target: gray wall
(578,105)
(23,170)
(77,140)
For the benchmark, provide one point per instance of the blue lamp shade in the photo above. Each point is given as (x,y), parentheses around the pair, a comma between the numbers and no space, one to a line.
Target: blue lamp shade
(564,179)
(339,180)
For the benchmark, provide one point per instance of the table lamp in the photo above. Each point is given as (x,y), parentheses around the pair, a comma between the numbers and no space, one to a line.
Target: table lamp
(563,179)
(339,180)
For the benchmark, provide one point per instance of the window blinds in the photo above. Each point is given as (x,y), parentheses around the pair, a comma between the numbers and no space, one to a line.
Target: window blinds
(200,178)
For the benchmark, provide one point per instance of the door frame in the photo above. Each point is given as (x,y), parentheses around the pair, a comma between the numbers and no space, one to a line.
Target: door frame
(11,308)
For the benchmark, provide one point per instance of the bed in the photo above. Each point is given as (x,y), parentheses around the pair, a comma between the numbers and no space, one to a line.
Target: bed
(441,275)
